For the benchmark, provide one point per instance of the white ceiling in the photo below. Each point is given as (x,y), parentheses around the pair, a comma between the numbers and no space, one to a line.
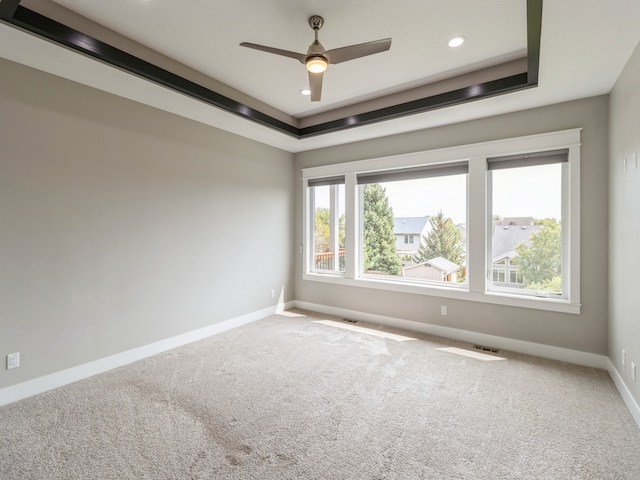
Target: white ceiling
(205,35)
(585,44)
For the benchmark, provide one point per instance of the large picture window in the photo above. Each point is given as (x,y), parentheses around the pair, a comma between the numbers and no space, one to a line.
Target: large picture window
(526,222)
(495,222)
(428,202)
(326,197)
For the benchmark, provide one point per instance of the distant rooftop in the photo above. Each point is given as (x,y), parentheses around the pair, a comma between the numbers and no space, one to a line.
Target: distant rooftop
(441,263)
(515,221)
(506,238)
(409,225)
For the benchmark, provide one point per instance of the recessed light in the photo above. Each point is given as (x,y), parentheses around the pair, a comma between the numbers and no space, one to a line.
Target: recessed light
(305,91)
(456,41)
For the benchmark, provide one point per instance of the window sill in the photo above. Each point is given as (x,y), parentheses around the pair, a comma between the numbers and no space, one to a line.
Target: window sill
(458,293)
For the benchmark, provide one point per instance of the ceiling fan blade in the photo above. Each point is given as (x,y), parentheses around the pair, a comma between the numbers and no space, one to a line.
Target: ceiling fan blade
(338,55)
(315,85)
(277,51)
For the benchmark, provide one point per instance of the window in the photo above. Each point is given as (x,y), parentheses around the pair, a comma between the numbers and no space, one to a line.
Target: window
(510,222)
(516,277)
(428,197)
(499,275)
(326,197)
(527,212)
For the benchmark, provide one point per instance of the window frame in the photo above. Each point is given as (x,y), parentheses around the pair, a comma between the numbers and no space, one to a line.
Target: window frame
(332,183)
(478,235)
(401,174)
(497,272)
(535,160)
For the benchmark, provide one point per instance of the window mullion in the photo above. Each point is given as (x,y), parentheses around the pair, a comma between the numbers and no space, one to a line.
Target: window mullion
(571,205)
(477,225)
(351,241)
(334,222)
(307,235)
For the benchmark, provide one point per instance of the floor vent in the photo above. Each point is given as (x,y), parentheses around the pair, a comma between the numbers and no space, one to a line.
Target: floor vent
(349,321)
(486,349)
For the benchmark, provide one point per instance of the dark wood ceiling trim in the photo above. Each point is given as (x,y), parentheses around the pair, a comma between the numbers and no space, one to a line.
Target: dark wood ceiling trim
(442,100)
(8,8)
(534,32)
(11,12)
(63,35)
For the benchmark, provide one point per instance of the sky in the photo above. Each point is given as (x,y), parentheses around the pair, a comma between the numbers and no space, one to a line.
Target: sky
(524,192)
(517,192)
(427,196)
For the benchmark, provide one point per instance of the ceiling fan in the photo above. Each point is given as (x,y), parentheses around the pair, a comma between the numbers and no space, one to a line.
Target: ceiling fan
(317,59)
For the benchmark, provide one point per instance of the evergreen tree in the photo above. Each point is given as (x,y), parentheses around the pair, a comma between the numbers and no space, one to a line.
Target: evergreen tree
(443,240)
(541,262)
(379,240)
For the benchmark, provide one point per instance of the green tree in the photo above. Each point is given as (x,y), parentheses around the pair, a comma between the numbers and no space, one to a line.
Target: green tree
(553,285)
(378,238)
(443,240)
(322,230)
(541,261)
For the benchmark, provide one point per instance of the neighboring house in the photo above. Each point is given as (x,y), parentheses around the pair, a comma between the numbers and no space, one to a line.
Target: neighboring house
(408,232)
(439,269)
(505,239)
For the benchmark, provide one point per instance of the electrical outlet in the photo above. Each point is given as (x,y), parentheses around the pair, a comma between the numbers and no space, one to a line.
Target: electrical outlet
(633,371)
(13,360)
(443,310)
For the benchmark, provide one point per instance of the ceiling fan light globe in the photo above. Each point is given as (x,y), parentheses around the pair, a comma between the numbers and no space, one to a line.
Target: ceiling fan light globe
(316,64)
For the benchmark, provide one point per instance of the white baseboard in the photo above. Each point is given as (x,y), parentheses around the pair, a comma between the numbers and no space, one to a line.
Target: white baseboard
(65,377)
(520,346)
(625,393)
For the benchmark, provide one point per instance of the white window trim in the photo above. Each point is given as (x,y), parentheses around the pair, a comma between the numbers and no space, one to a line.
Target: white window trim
(477,234)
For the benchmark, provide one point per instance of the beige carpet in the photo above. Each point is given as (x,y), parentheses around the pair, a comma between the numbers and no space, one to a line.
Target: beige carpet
(291,398)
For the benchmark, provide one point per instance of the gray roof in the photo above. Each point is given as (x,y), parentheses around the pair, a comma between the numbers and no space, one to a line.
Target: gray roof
(506,238)
(443,264)
(440,263)
(409,225)
(517,221)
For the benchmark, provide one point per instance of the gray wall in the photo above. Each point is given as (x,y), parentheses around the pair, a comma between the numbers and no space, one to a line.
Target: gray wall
(121,225)
(585,332)
(118,226)
(624,226)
